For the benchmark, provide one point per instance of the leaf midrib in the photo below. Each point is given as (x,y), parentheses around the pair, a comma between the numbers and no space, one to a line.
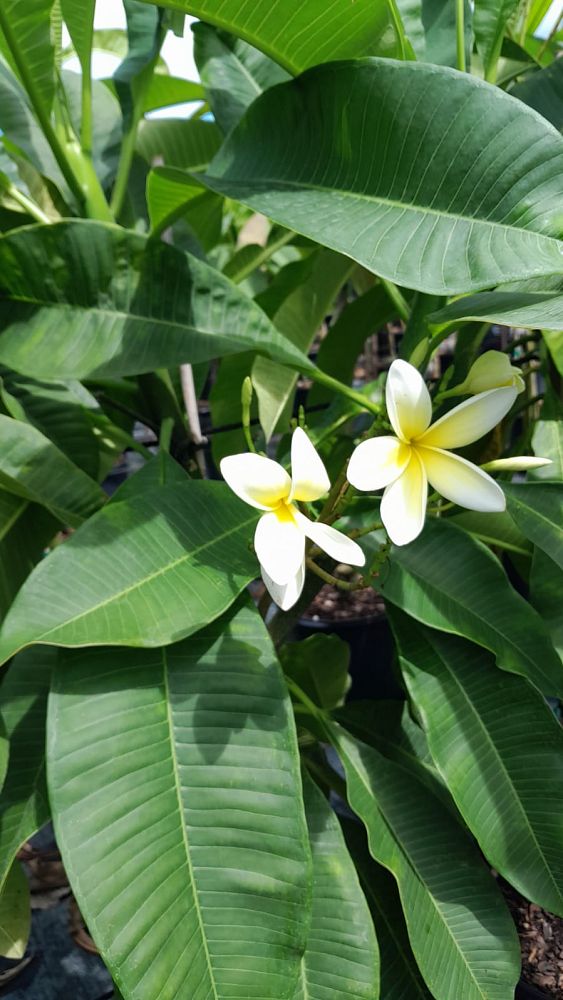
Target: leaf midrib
(178,791)
(535,514)
(503,768)
(403,206)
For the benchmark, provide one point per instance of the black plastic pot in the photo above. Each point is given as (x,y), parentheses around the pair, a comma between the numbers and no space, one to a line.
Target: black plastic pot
(526,992)
(371,654)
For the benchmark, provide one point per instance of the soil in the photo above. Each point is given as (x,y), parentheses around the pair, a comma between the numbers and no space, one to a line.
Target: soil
(331,604)
(541,943)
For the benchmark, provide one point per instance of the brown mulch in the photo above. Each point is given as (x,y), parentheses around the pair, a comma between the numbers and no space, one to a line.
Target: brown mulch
(331,604)
(541,943)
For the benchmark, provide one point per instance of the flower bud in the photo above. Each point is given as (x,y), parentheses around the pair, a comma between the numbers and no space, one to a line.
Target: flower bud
(519,463)
(491,370)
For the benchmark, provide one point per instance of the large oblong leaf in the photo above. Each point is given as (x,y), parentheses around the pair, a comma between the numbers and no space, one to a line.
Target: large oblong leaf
(25,530)
(32,467)
(461,934)
(83,299)
(297,34)
(488,731)
(25,40)
(146,570)
(450,581)
(175,785)
(468,197)
(527,309)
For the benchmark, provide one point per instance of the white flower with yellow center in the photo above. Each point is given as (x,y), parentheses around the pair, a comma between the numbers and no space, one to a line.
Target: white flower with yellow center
(281,532)
(404,465)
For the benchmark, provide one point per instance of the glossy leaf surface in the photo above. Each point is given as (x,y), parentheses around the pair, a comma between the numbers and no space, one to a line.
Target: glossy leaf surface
(137,305)
(537,509)
(197,877)
(25,39)
(467,199)
(15,913)
(534,309)
(424,580)
(489,732)
(25,530)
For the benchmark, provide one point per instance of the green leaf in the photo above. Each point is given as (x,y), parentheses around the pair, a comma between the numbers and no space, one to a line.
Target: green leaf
(319,665)
(546,587)
(164,91)
(15,913)
(490,18)
(547,442)
(196,878)
(424,579)
(543,91)
(342,958)
(298,317)
(107,123)
(79,19)
(172,194)
(60,410)
(346,337)
(233,73)
(144,37)
(184,143)
(461,934)
(19,125)
(146,570)
(537,509)
(430,26)
(25,40)
(554,341)
(400,978)
(449,208)
(24,806)
(100,300)
(34,468)
(25,530)
(493,529)
(529,310)
(297,36)
(488,731)
(4,752)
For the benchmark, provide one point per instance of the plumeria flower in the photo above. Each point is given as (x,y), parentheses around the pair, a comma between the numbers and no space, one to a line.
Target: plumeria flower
(491,370)
(405,464)
(281,532)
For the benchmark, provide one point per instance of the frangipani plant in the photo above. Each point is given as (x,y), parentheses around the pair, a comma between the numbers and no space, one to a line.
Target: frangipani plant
(357,195)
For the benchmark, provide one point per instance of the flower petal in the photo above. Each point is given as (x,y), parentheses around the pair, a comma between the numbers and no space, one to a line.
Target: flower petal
(470,420)
(408,400)
(518,463)
(257,480)
(331,541)
(287,594)
(492,370)
(403,506)
(280,544)
(308,475)
(377,462)
(460,481)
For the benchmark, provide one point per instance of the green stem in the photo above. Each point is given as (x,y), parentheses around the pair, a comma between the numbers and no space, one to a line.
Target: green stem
(166,429)
(86,125)
(333,580)
(41,113)
(549,38)
(130,139)
(360,532)
(345,390)
(397,298)
(26,203)
(304,699)
(268,251)
(460,34)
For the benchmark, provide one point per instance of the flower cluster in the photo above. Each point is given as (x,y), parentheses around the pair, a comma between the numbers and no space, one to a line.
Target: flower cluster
(402,464)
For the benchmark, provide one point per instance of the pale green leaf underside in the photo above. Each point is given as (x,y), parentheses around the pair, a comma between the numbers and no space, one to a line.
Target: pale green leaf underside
(146,570)
(341,961)
(175,783)
(500,750)
(530,310)
(460,932)
(15,913)
(424,579)
(296,34)
(468,198)
(83,299)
